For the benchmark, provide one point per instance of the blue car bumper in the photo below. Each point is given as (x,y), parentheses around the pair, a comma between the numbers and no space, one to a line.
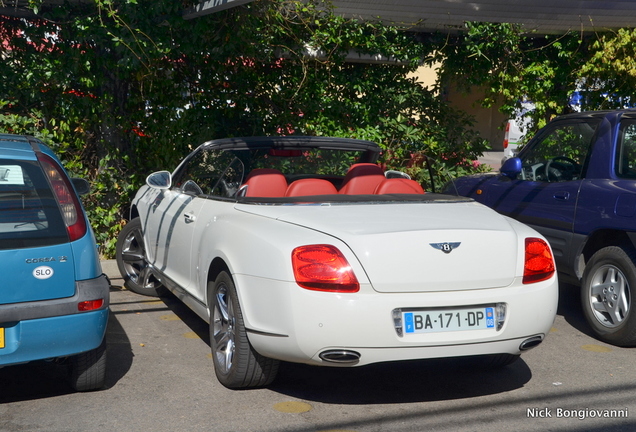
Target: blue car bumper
(54,328)
(54,337)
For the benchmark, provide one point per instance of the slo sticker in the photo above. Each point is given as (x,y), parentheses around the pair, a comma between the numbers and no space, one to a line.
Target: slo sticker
(43,272)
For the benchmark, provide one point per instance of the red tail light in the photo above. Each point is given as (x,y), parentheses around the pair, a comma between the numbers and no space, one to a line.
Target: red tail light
(90,305)
(539,263)
(323,268)
(66,198)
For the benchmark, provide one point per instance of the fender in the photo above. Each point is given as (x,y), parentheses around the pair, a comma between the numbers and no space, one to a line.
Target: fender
(261,252)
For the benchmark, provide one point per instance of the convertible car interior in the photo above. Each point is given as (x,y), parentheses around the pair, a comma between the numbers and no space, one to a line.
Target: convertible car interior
(361,179)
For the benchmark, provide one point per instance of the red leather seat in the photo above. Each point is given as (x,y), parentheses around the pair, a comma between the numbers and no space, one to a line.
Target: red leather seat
(264,183)
(399,186)
(305,187)
(361,179)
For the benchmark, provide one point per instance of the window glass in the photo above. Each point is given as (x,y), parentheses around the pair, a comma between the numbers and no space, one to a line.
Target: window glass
(220,173)
(561,153)
(309,161)
(210,172)
(231,180)
(29,214)
(626,157)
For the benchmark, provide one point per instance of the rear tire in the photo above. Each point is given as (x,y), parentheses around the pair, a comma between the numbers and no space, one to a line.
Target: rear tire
(236,364)
(607,293)
(132,262)
(87,371)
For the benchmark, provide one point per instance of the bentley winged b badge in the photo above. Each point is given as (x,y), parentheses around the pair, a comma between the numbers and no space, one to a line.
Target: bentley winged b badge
(446,247)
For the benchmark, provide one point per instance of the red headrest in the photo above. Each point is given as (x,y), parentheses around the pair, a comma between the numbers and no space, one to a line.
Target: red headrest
(399,186)
(265,182)
(362,178)
(304,187)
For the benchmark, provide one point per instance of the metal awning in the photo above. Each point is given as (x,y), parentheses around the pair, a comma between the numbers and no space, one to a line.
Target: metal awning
(542,16)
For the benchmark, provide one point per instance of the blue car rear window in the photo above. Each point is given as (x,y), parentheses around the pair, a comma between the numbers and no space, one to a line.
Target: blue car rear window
(29,213)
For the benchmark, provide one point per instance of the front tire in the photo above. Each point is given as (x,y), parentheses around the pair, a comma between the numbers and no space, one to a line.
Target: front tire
(607,294)
(132,263)
(236,364)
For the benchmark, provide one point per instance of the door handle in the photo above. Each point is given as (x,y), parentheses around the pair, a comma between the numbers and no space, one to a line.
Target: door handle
(562,196)
(189,217)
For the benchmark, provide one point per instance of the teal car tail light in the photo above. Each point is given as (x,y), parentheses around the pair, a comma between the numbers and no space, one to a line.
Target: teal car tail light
(90,305)
(323,268)
(66,198)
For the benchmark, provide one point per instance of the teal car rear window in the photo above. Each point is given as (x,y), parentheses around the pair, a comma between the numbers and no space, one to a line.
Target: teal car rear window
(29,213)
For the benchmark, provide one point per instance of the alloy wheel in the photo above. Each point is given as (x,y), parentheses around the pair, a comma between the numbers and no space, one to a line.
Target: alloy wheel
(133,256)
(223,329)
(609,296)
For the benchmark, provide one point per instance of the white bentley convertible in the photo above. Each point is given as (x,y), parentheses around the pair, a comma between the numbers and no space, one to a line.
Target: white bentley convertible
(302,249)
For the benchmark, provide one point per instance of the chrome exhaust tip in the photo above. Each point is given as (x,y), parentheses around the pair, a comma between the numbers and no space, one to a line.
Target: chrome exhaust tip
(530,343)
(340,356)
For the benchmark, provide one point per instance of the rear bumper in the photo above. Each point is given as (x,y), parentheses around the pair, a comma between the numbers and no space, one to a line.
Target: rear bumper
(54,328)
(85,290)
(288,323)
(47,338)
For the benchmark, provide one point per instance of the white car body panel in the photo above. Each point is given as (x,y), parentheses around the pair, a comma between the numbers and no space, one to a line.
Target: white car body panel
(380,232)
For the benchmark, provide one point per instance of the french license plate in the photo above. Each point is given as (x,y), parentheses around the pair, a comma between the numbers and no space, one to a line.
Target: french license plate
(442,320)
(1,337)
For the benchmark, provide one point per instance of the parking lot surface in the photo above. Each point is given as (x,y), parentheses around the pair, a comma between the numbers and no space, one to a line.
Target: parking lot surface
(160,378)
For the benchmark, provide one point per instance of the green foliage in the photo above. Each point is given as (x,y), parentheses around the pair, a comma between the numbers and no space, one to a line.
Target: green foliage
(515,66)
(610,72)
(122,88)
(101,204)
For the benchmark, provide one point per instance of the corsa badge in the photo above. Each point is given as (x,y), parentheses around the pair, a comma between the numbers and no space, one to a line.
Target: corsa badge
(446,247)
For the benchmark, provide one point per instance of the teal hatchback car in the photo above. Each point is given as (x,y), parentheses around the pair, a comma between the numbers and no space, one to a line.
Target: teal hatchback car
(54,297)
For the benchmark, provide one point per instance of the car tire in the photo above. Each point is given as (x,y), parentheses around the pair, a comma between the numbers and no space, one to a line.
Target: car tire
(87,371)
(607,293)
(236,364)
(132,263)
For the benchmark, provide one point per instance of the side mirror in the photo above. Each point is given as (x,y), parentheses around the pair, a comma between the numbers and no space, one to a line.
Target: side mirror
(159,180)
(81,186)
(511,168)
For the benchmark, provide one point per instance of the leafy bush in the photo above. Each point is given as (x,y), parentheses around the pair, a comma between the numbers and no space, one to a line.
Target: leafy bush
(124,88)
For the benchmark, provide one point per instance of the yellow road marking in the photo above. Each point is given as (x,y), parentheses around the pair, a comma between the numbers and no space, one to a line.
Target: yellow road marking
(596,348)
(292,407)
(191,335)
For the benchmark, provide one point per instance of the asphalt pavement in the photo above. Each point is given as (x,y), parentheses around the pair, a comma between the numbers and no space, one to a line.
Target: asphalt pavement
(109,267)
(160,378)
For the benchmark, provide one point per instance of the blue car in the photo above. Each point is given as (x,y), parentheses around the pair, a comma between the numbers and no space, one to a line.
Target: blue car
(575,183)
(54,297)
